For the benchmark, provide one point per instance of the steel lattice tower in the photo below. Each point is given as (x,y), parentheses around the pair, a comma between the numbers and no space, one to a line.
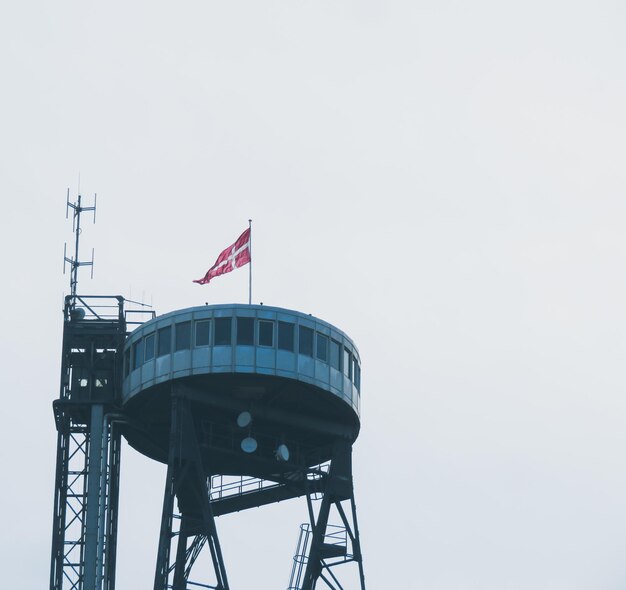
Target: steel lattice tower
(88,447)
(87,416)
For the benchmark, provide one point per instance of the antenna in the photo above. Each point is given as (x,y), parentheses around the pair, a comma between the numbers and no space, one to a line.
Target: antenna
(74,261)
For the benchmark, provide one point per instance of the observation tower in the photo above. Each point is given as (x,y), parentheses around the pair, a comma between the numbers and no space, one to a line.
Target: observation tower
(247,405)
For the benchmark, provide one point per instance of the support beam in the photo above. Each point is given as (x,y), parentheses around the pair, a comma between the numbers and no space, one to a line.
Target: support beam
(94,490)
(324,552)
(187,481)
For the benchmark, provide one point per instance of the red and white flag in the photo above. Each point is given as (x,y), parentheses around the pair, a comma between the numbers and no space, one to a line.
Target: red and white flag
(233,257)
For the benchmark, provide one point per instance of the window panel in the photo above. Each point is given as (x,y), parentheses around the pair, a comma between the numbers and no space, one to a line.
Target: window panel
(285,336)
(347,363)
(245,331)
(202,332)
(165,340)
(137,354)
(223,331)
(305,344)
(335,355)
(266,333)
(322,347)
(149,347)
(183,336)
(357,374)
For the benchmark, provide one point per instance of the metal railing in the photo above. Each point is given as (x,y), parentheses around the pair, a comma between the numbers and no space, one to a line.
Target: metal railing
(109,308)
(336,536)
(226,486)
(94,307)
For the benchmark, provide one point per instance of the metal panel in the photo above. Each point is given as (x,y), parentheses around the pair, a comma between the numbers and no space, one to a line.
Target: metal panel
(306,366)
(163,366)
(244,355)
(222,357)
(322,372)
(286,361)
(147,373)
(201,357)
(265,358)
(181,361)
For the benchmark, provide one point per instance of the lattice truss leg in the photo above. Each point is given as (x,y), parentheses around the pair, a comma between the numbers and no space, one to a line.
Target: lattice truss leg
(85,506)
(189,531)
(322,547)
(69,508)
(189,552)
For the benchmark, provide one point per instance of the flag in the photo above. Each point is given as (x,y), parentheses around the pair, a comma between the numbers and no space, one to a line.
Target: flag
(233,257)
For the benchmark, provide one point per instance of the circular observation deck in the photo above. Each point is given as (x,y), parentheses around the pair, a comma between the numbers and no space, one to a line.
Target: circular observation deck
(298,376)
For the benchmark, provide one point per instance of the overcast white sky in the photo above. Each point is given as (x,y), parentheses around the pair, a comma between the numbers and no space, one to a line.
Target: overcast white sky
(443,180)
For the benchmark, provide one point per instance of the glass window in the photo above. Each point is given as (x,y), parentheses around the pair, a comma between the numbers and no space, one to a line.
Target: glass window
(285,336)
(138,354)
(148,345)
(202,332)
(357,374)
(245,331)
(305,345)
(266,333)
(347,363)
(222,331)
(335,355)
(322,347)
(183,336)
(165,341)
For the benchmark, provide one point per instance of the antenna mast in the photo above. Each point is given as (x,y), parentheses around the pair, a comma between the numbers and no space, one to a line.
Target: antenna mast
(74,262)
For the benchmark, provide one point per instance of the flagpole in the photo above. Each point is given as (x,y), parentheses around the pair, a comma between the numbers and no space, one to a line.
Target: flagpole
(250,268)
